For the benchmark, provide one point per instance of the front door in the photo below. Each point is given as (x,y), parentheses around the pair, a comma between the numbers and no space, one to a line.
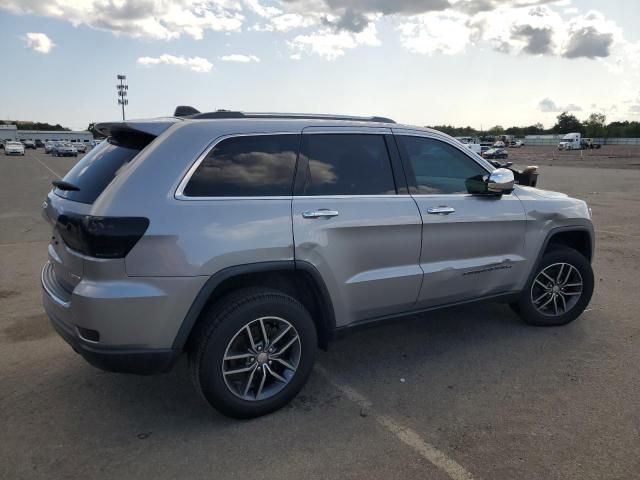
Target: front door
(355,223)
(472,245)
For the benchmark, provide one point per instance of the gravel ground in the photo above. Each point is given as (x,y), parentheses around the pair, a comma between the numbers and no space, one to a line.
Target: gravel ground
(609,156)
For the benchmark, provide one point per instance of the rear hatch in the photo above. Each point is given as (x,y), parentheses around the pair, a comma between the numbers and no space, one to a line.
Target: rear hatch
(79,237)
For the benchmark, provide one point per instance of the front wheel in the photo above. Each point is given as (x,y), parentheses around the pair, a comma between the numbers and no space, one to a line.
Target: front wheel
(558,291)
(252,352)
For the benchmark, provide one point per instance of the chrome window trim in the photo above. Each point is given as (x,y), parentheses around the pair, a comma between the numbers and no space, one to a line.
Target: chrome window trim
(297,197)
(179,193)
(308,197)
(353,130)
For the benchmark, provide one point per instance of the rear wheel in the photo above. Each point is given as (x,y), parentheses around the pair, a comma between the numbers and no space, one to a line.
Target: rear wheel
(559,290)
(252,352)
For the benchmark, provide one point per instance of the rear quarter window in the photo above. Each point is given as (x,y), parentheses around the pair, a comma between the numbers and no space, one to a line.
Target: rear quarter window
(247,166)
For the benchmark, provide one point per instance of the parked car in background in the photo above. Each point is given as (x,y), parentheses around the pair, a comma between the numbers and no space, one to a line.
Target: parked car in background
(277,231)
(471,143)
(499,144)
(516,144)
(64,150)
(48,147)
(13,148)
(29,144)
(494,153)
(80,147)
(39,144)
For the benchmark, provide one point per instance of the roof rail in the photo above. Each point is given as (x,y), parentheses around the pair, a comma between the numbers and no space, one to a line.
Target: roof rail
(226,114)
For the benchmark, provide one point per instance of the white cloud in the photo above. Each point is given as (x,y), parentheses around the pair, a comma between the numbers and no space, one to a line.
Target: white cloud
(512,29)
(197,64)
(261,10)
(154,19)
(331,44)
(234,57)
(549,106)
(436,32)
(39,42)
(330,28)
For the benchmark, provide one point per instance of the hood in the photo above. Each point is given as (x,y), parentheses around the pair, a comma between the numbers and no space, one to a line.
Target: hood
(543,193)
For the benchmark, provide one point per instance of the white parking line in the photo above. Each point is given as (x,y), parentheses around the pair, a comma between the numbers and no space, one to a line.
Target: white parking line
(42,163)
(407,436)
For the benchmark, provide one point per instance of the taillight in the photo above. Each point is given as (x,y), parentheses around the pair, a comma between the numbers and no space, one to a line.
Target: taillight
(101,237)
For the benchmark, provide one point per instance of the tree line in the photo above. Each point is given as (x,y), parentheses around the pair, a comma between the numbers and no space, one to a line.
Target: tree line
(594,126)
(25,125)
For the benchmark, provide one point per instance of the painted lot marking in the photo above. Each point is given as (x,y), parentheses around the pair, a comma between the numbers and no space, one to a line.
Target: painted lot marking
(44,165)
(407,436)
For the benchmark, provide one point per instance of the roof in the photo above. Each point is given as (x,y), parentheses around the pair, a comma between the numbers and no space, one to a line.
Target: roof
(188,112)
(250,122)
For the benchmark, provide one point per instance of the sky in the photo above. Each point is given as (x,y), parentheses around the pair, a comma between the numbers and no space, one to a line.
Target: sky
(424,62)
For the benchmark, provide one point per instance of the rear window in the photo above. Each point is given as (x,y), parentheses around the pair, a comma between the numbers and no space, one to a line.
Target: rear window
(247,166)
(95,171)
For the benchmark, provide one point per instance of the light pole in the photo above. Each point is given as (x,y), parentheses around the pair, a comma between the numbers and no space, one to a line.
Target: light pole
(122,93)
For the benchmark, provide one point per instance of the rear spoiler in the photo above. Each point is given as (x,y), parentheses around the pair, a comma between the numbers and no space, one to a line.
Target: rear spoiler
(146,127)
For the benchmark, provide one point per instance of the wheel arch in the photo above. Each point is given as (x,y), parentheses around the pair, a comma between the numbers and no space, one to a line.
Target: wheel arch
(299,279)
(578,238)
(565,237)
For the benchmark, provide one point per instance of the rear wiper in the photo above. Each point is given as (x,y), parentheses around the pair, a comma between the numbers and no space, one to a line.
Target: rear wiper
(62,185)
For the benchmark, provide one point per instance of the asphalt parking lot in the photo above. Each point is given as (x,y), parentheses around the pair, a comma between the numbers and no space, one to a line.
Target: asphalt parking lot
(466,393)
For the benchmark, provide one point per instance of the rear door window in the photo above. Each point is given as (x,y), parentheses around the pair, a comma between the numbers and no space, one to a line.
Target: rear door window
(95,171)
(347,164)
(247,166)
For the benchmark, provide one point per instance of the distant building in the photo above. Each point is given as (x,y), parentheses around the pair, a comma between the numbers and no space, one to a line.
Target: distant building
(11,132)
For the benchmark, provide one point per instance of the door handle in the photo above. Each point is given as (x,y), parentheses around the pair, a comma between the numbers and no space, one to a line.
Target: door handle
(322,213)
(441,210)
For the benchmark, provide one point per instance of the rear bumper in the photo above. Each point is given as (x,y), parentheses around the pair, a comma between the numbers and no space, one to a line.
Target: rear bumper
(135,320)
(137,361)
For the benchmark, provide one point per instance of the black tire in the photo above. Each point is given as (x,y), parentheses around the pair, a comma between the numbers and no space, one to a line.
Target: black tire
(219,325)
(525,306)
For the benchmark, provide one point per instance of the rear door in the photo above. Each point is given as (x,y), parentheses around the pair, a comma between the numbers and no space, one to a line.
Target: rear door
(472,245)
(354,221)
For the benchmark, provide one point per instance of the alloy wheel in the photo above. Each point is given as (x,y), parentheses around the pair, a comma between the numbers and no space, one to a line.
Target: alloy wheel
(261,358)
(556,289)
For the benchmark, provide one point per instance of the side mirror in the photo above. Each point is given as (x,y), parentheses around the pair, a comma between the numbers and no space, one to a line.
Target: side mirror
(500,181)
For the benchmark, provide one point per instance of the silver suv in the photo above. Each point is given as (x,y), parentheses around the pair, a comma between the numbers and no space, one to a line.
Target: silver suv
(248,240)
